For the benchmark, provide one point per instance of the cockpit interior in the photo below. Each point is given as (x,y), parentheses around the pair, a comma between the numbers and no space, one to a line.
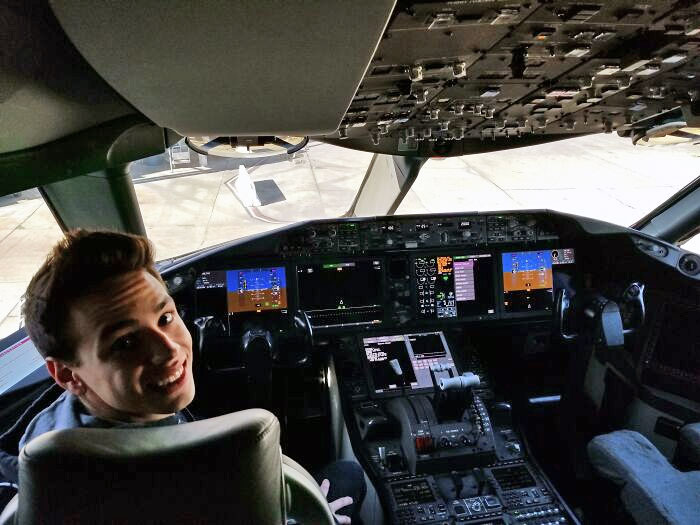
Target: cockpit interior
(464,360)
(472,363)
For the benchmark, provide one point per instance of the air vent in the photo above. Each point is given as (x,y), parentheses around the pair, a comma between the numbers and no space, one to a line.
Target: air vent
(690,264)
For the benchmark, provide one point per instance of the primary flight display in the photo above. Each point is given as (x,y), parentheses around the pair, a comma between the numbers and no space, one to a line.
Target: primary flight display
(242,290)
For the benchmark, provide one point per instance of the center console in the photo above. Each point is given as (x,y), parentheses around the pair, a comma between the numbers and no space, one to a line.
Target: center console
(438,445)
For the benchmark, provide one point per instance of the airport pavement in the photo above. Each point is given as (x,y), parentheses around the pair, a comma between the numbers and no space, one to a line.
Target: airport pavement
(601,176)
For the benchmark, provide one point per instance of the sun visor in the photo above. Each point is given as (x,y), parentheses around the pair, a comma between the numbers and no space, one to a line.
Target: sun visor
(231,68)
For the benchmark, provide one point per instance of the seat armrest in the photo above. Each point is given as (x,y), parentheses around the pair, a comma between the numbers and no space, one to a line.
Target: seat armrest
(688,453)
(9,512)
(306,504)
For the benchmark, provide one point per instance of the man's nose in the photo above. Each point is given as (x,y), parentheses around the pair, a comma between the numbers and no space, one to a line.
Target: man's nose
(163,348)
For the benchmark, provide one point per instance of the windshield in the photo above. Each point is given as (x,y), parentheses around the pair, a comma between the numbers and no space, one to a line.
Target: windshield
(198,201)
(598,176)
(189,201)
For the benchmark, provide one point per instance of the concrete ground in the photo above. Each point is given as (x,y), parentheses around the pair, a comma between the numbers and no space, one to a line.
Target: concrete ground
(601,176)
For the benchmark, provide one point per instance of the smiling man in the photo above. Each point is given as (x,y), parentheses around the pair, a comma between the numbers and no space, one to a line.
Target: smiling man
(100,315)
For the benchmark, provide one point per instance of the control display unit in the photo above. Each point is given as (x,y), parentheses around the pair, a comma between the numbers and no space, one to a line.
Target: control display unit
(242,290)
(404,361)
(342,293)
(454,286)
(529,278)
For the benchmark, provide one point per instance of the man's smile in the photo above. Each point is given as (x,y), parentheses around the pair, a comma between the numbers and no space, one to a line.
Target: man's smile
(171,382)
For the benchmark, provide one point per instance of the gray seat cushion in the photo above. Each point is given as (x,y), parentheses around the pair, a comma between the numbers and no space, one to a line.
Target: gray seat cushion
(652,490)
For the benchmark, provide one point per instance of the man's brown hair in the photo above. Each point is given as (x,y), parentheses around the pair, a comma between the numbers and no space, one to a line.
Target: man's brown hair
(76,267)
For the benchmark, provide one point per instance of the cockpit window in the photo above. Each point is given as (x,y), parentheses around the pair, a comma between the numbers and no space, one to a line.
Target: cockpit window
(190,201)
(598,176)
(692,244)
(28,230)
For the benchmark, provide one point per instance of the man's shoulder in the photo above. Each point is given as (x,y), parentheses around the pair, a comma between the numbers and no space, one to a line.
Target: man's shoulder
(63,413)
(69,412)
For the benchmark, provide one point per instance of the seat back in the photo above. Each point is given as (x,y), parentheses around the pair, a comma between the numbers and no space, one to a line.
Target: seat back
(226,469)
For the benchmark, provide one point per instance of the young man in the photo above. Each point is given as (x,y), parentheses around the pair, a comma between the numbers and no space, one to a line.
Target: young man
(100,315)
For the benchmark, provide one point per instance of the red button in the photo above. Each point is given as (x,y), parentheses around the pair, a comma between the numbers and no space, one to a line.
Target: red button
(424,443)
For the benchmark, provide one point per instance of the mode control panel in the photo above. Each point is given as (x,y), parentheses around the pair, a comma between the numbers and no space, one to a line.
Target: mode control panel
(401,233)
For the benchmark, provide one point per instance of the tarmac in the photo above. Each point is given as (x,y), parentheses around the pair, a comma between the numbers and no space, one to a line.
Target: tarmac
(200,205)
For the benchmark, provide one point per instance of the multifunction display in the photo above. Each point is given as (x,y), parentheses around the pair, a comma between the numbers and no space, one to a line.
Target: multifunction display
(397,362)
(528,281)
(340,285)
(454,286)
(241,290)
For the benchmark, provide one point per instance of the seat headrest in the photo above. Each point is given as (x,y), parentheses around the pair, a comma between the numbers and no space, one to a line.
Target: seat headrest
(223,469)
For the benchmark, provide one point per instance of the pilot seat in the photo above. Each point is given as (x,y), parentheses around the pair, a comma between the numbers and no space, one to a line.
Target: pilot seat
(220,470)
(651,489)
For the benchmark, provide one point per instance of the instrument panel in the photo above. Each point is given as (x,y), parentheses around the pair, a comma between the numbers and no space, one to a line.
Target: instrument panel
(393,271)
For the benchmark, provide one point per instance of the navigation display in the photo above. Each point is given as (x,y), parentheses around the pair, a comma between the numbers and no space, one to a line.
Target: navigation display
(241,290)
(340,285)
(398,362)
(454,286)
(528,281)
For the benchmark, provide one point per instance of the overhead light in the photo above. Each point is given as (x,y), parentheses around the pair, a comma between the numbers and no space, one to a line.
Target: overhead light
(578,52)
(608,70)
(649,70)
(635,65)
(674,59)
(491,92)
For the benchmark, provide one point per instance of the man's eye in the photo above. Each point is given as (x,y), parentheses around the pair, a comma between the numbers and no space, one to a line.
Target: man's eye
(124,343)
(166,318)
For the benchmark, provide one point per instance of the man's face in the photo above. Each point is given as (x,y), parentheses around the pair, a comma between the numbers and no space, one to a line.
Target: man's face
(134,352)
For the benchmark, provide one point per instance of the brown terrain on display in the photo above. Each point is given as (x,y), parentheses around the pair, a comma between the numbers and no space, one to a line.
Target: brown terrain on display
(527,280)
(252,300)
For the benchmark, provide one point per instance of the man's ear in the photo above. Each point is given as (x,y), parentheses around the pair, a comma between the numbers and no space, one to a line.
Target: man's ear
(65,375)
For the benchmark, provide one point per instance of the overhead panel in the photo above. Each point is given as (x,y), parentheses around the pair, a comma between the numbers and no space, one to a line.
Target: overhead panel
(231,68)
(449,78)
